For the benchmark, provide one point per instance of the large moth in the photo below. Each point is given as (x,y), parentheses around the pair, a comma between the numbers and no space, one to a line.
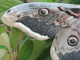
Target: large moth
(43,20)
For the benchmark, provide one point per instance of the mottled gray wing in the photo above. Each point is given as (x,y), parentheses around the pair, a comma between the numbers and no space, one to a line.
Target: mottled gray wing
(40,20)
(66,45)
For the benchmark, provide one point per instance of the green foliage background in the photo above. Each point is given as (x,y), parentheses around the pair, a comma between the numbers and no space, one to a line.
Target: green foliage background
(14,44)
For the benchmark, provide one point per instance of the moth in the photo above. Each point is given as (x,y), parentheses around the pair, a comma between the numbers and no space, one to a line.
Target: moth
(44,20)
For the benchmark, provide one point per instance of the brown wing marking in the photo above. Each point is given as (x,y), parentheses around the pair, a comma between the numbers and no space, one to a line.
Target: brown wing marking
(71,11)
(61,8)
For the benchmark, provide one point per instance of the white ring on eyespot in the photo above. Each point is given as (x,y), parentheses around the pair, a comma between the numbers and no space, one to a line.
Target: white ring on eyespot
(71,38)
(44,9)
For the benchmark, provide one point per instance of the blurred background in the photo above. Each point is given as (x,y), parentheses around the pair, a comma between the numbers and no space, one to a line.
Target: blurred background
(36,50)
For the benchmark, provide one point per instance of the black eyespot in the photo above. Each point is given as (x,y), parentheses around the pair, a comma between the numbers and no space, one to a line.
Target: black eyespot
(8,11)
(43,11)
(72,40)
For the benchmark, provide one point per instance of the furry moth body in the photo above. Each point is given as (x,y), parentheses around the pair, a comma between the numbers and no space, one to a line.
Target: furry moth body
(43,20)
